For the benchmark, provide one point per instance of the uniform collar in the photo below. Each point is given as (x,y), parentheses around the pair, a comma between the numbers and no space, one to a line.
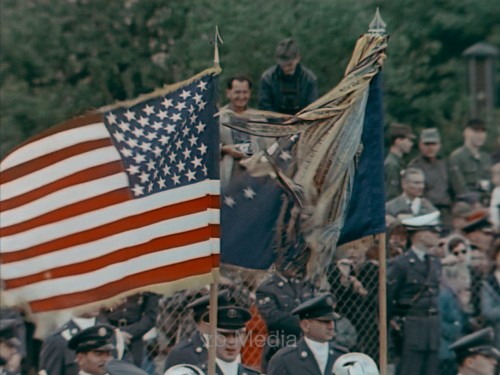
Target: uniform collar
(229,368)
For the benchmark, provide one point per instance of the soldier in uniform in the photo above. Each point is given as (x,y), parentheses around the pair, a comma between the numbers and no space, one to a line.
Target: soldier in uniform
(93,349)
(401,143)
(412,295)
(231,336)
(469,166)
(134,317)
(475,353)
(9,348)
(117,367)
(437,183)
(410,202)
(276,297)
(288,86)
(56,358)
(193,351)
(314,353)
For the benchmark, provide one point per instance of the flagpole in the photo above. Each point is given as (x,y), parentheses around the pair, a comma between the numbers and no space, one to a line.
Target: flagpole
(213,328)
(382,302)
(217,40)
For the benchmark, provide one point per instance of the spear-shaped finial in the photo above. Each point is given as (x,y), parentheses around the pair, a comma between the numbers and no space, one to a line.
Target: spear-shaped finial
(217,40)
(377,26)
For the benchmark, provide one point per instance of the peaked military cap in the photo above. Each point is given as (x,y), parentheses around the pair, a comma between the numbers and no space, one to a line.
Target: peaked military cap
(480,342)
(117,367)
(286,50)
(423,222)
(200,305)
(8,332)
(430,135)
(96,338)
(232,318)
(478,220)
(321,306)
(401,130)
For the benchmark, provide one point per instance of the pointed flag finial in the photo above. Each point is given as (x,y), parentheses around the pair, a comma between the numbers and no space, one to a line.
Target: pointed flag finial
(217,40)
(377,26)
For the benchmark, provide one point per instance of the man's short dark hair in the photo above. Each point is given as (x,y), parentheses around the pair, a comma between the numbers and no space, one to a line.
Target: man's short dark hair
(240,78)
(396,137)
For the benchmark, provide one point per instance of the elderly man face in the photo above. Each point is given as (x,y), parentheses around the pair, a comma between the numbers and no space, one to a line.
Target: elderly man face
(413,184)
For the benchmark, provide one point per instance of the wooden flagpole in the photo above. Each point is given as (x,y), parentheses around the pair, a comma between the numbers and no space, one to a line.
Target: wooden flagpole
(382,302)
(213,328)
(214,287)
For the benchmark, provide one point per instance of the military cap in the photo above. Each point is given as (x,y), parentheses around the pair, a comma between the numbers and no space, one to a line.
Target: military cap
(8,332)
(96,338)
(286,50)
(321,306)
(401,130)
(355,364)
(117,367)
(480,342)
(184,369)
(231,318)
(461,209)
(430,135)
(423,222)
(478,220)
(200,305)
(475,124)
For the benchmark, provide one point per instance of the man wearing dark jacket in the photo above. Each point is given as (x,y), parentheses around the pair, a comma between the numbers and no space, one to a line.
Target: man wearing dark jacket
(288,86)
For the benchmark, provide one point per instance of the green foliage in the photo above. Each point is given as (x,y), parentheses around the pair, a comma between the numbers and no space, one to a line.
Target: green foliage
(61,58)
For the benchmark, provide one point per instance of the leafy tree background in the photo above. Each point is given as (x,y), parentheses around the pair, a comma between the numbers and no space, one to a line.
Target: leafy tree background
(60,58)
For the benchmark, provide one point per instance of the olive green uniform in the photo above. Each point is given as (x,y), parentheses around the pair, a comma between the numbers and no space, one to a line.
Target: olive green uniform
(393,165)
(468,171)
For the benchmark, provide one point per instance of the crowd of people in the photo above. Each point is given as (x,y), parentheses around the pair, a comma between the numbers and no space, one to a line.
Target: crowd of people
(443,282)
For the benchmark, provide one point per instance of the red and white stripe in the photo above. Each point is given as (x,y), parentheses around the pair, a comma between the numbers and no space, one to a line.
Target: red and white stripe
(72,234)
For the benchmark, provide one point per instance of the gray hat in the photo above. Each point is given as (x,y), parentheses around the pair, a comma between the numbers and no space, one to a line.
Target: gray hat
(286,50)
(430,135)
(480,342)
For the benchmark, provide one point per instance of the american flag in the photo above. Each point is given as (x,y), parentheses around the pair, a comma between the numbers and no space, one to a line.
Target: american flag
(118,201)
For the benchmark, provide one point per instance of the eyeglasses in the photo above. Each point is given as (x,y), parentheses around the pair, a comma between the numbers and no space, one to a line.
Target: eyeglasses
(457,253)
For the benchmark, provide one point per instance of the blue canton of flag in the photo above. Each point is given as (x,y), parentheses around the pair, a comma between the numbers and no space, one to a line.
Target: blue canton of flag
(163,141)
(249,211)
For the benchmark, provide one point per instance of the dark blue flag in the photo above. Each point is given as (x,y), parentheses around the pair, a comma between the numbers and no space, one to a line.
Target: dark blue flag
(366,212)
(251,206)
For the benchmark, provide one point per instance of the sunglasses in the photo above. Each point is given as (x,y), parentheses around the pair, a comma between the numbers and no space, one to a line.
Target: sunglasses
(464,251)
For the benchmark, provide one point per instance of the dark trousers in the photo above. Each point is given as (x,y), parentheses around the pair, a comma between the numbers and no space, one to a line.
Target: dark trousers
(418,362)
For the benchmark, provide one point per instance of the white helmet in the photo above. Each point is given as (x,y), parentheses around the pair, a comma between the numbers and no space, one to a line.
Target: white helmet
(355,364)
(184,370)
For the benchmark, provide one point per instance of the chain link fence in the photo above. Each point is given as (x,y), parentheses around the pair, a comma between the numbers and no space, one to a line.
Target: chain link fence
(352,277)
